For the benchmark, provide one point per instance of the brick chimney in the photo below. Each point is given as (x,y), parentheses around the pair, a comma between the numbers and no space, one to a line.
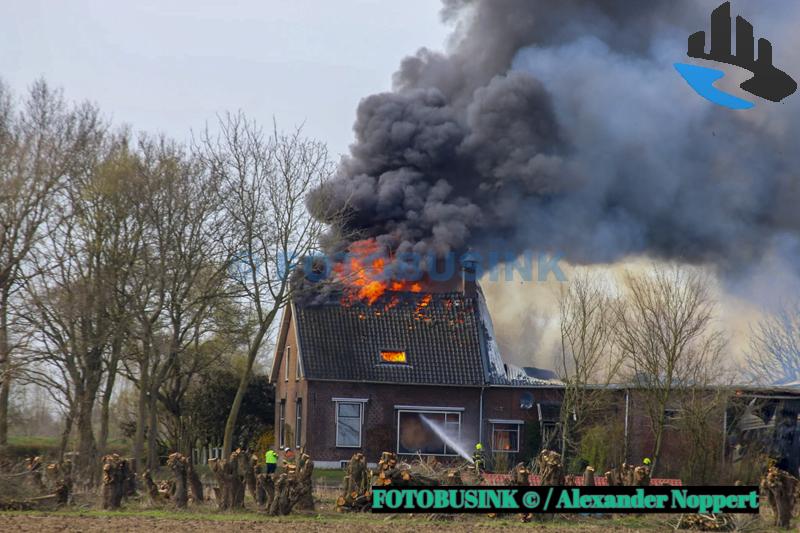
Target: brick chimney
(469,275)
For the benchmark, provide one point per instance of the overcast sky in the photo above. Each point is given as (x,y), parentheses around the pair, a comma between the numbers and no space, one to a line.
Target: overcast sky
(170,65)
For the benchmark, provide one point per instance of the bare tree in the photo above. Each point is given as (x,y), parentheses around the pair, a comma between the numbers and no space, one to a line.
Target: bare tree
(774,355)
(588,355)
(73,289)
(266,180)
(664,329)
(40,146)
(178,277)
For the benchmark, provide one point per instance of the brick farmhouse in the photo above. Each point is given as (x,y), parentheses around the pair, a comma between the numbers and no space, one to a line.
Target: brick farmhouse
(373,378)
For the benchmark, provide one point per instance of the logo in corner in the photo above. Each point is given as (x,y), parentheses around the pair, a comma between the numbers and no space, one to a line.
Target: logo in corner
(768,81)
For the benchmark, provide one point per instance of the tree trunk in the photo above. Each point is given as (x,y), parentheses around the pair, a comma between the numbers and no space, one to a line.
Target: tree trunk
(195,484)
(150,487)
(230,478)
(356,494)
(588,477)
(230,423)
(128,479)
(138,439)
(5,368)
(657,450)
(265,490)
(113,482)
(780,487)
(152,432)
(105,406)
(179,465)
(251,475)
(87,450)
(550,467)
(304,489)
(62,446)
(294,488)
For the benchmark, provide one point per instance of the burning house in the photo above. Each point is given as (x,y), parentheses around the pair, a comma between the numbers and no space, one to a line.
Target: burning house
(403,370)
(414,368)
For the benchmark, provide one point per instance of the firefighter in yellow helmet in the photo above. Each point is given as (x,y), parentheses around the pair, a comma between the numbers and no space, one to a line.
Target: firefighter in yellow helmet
(646,461)
(478,459)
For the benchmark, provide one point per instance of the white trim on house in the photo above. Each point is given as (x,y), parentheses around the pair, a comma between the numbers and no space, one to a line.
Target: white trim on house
(500,422)
(354,400)
(436,409)
(360,405)
(433,411)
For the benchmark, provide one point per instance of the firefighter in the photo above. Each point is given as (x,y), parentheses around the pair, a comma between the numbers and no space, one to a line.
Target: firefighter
(288,456)
(271,459)
(477,458)
(646,462)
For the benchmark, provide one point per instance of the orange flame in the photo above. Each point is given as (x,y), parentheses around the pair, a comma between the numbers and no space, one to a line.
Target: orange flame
(390,356)
(364,274)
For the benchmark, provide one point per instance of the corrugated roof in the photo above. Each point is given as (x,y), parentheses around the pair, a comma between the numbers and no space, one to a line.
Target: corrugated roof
(441,334)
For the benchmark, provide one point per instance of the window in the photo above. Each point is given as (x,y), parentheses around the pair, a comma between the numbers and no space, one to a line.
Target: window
(671,417)
(298,425)
(282,424)
(348,424)
(297,370)
(550,436)
(505,436)
(393,357)
(286,363)
(428,432)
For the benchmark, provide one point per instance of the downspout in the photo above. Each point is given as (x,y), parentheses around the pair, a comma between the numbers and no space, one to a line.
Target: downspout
(724,430)
(627,404)
(480,417)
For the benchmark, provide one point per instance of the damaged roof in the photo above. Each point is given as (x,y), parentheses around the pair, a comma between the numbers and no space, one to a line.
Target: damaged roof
(440,334)
(447,339)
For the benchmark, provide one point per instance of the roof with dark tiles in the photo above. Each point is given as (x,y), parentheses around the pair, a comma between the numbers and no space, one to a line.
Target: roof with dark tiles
(441,334)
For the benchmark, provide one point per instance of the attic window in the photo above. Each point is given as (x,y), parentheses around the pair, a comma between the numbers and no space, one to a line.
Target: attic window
(393,357)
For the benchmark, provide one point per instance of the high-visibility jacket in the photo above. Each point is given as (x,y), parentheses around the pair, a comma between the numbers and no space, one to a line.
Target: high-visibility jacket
(271,458)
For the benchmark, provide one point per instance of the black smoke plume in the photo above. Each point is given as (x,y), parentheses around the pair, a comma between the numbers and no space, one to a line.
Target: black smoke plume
(561,125)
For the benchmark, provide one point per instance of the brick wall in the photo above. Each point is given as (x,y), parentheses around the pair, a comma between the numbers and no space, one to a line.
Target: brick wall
(289,390)
(379,431)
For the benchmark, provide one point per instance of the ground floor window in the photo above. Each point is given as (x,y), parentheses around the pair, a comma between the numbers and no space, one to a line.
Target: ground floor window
(505,435)
(349,418)
(428,432)
(298,424)
(282,424)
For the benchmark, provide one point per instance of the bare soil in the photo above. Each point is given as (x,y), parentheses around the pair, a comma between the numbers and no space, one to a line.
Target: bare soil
(41,523)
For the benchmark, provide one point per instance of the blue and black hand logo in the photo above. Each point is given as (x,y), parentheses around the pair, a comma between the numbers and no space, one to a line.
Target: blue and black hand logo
(768,82)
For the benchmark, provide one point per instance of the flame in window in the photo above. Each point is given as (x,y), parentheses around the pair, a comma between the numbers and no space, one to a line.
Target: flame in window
(392,356)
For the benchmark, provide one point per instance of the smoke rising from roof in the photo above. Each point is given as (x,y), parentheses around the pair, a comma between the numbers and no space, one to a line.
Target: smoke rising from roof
(563,126)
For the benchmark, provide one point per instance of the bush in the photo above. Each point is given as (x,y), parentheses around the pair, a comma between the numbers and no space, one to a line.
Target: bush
(500,463)
(600,447)
(264,442)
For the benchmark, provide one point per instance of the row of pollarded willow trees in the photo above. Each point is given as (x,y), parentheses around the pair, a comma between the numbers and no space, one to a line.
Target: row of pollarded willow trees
(657,330)
(135,257)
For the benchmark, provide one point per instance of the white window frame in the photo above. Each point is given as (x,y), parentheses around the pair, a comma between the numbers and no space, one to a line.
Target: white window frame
(282,423)
(499,422)
(353,401)
(429,411)
(298,421)
(298,371)
(286,363)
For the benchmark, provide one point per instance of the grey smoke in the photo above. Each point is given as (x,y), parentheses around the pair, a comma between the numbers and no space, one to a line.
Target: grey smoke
(562,126)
